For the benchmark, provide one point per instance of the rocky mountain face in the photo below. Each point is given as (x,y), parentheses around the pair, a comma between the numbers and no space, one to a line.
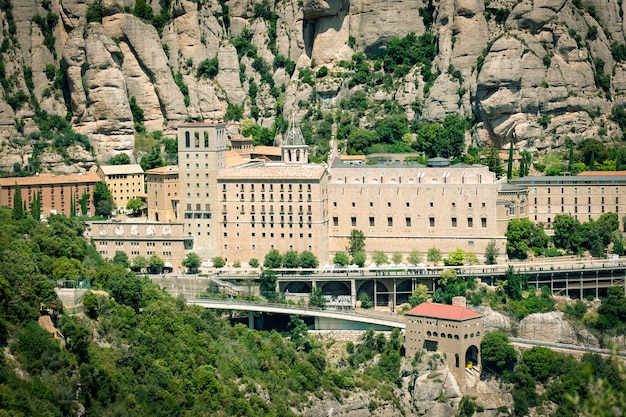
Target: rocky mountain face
(534,72)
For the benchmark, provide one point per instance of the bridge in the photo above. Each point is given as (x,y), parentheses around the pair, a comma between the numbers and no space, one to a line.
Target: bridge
(324,319)
(392,285)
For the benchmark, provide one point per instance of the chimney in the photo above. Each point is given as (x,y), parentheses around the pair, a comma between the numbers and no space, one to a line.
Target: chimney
(459,301)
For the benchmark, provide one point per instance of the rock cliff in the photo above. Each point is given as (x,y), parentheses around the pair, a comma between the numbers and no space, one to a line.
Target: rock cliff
(531,72)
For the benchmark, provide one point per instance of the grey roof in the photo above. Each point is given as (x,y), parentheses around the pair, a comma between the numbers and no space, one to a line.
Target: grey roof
(564,179)
(294,134)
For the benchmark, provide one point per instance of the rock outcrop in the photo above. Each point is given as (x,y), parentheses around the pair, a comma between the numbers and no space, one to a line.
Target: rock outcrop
(534,72)
(552,327)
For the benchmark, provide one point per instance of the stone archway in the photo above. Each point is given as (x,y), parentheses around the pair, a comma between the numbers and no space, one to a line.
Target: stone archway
(471,355)
(336,288)
(382,292)
(298,287)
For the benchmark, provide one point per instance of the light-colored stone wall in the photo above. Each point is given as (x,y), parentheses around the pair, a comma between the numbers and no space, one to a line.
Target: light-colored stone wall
(139,238)
(401,209)
(201,156)
(260,214)
(163,195)
(582,197)
(123,186)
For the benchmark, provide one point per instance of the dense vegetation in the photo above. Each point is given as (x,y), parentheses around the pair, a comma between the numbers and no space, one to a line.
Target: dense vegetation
(570,237)
(140,352)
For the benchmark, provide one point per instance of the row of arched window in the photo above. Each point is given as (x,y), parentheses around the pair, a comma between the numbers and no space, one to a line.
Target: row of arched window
(449,335)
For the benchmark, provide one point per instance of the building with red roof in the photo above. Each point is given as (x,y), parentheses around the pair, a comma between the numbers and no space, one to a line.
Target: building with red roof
(452,329)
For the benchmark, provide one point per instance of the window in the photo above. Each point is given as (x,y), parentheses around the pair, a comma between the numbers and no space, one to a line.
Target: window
(483,222)
(453,222)
(470,222)
(431,221)
(353,221)
(371,221)
(371,204)
(335,221)
(407,221)
(432,204)
(389,221)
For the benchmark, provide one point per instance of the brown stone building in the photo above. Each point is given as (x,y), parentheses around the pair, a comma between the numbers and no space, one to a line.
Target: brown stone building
(55,191)
(162,184)
(451,329)
(139,237)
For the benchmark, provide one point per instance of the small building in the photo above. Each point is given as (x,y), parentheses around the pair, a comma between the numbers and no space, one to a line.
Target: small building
(56,192)
(124,181)
(454,330)
(267,153)
(163,198)
(139,237)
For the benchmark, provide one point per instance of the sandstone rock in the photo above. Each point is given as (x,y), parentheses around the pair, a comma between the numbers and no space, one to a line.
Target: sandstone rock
(551,327)
(492,320)
(228,75)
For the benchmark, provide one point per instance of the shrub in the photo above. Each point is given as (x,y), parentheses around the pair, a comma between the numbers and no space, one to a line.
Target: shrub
(208,68)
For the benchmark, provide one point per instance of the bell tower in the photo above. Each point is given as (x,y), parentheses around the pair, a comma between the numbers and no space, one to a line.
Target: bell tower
(294,150)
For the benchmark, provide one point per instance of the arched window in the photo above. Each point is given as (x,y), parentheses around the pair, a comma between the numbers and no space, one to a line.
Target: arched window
(456,360)
(435,334)
(428,333)
(465,337)
(456,337)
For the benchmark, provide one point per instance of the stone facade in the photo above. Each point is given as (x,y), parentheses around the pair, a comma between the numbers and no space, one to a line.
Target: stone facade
(137,237)
(585,196)
(201,156)
(452,329)
(55,191)
(162,184)
(124,181)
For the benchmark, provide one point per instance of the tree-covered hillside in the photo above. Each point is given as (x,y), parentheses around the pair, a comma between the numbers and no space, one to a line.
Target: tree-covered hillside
(140,352)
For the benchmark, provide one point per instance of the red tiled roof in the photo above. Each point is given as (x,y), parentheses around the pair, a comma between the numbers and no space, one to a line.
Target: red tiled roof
(443,311)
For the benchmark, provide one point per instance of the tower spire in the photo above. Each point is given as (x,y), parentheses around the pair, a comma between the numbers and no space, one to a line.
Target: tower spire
(294,148)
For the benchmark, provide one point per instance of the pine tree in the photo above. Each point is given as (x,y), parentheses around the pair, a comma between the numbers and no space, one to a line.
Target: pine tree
(18,209)
(72,206)
(592,162)
(36,206)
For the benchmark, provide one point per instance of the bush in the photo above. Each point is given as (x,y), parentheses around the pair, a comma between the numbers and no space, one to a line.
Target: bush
(208,68)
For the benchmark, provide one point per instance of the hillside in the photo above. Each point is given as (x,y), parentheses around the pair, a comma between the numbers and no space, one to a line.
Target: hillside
(384,75)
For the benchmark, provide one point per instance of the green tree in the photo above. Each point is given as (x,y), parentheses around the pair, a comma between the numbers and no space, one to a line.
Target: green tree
(18,210)
(152,159)
(396,258)
(77,336)
(358,258)
(493,161)
(291,259)
(379,257)
(91,305)
(135,205)
(567,234)
(341,258)
(253,262)
(268,284)
(67,269)
(142,10)
(218,262)
(542,362)
(491,253)
(514,284)
(414,257)
(36,206)
(84,199)
(433,255)
(121,258)
(297,330)
(308,260)
(273,259)
(316,298)
(522,235)
(419,296)
(497,352)
(102,199)
(366,301)
(356,242)
(139,263)
(119,159)
(192,262)
(127,290)
(455,258)
(155,264)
